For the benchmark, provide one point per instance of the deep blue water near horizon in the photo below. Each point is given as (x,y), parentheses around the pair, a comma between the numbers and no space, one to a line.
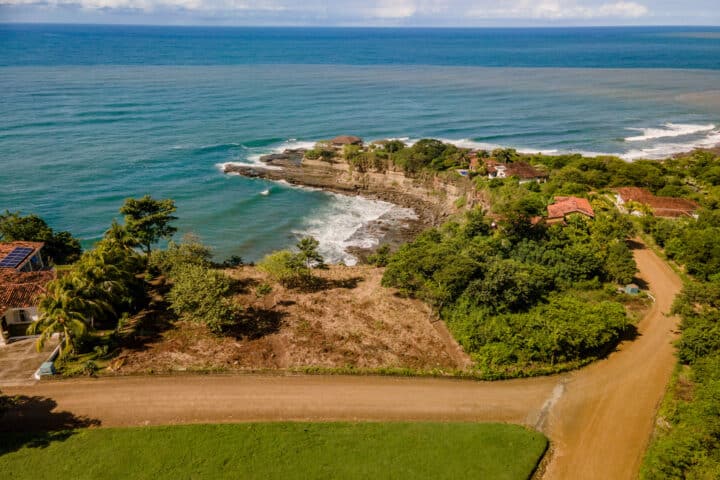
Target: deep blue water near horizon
(90,115)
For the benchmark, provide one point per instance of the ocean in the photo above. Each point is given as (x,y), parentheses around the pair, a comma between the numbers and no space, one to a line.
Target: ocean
(90,115)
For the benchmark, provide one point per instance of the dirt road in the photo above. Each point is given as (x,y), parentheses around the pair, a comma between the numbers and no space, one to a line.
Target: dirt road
(599,418)
(601,424)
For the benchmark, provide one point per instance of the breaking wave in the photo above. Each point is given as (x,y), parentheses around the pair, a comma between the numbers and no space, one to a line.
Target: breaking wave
(668,130)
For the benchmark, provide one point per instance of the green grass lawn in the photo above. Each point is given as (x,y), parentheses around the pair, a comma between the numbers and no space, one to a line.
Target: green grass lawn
(277,451)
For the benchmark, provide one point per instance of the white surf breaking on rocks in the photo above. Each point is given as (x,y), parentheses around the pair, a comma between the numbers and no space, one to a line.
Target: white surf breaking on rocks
(352,221)
(254,154)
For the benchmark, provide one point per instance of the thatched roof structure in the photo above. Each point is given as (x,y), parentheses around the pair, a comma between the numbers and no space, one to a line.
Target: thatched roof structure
(346,140)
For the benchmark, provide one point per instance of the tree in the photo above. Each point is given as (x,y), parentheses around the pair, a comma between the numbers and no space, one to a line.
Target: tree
(309,254)
(202,295)
(620,265)
(286,268)
(61,247)
(148,220)
(64,310)
(119,235)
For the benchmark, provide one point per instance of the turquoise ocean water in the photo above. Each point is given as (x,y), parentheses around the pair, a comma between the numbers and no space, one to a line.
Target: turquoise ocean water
(91,115)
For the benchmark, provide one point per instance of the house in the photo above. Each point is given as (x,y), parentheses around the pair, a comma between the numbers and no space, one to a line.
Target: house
(522,170)
(343,140)
(668,207)
(563,207)
(23,278)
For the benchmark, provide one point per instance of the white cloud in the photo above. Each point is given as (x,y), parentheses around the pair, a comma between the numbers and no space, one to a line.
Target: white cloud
(399,9)
(150,5)
(560,9)
(429,11)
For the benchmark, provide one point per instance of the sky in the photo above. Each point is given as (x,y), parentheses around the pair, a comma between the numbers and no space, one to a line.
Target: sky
(434,13)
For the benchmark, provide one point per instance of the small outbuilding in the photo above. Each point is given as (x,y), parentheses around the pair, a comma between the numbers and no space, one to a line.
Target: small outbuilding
(343,140)
(632,289)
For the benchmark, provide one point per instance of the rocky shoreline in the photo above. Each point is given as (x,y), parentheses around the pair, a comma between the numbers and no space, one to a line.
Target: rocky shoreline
(431,203)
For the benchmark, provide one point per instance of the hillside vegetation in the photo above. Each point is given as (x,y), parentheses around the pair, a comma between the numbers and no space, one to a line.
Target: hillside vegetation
(687,444)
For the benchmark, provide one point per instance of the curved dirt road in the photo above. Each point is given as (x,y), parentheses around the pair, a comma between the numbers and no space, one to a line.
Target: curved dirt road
(599,418)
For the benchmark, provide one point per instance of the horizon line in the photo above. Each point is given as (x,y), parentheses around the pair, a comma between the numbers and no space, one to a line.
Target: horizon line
(355,26)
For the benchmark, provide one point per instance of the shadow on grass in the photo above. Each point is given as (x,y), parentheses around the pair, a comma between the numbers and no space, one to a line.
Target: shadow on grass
(147,327)
(31,422)
(244,285)
(255,323)
(319,284)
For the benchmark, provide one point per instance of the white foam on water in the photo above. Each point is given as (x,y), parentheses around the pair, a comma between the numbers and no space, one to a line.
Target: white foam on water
(669,130)
(258,165)
(660,151)
(290,144)
(340,225)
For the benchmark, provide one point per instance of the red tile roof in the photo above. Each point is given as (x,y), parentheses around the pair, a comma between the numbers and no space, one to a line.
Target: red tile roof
(661,206)
(566,205)
(22,289)
(522,170)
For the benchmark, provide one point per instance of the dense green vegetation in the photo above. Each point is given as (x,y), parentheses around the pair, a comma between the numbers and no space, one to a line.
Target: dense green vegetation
(522,298)
(60,247)
(109,283)
(100,287)
(281,451)
(198,293)
(687,444)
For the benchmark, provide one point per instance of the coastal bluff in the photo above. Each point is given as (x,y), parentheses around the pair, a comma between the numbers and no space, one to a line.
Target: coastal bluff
(431,197)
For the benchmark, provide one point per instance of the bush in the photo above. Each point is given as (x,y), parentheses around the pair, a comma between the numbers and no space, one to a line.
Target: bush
(263,289)
(202,295)
(564,330)
(381,257)
(286,268)
(294,269)
(190,251)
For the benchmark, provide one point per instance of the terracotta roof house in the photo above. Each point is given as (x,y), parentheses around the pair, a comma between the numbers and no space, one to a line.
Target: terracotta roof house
(343,140)
(669,207)
(23,278)
(562,207)
(522,170)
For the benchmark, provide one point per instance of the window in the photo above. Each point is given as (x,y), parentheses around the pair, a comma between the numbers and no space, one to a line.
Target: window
(22,316)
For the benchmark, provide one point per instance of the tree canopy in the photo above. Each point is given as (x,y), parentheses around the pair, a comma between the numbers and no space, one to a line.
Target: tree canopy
(60,247)
(148,220)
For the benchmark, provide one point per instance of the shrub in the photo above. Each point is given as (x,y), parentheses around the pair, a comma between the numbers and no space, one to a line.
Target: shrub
(190,251)
(381,257)
(286,268)
(201,295)
(263,289)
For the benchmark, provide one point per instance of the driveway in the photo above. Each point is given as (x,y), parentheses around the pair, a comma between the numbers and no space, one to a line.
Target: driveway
(20,359)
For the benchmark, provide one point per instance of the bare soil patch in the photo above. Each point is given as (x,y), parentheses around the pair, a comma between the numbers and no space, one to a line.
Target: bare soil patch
(350,321)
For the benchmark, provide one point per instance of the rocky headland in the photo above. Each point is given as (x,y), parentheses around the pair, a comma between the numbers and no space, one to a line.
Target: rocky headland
(431,198)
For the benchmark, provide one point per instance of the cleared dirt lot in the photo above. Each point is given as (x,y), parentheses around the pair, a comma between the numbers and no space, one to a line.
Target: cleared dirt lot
(351,320)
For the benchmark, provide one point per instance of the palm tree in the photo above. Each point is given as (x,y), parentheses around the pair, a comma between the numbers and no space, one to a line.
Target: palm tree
(63,309)
(99,278)
(119,235)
